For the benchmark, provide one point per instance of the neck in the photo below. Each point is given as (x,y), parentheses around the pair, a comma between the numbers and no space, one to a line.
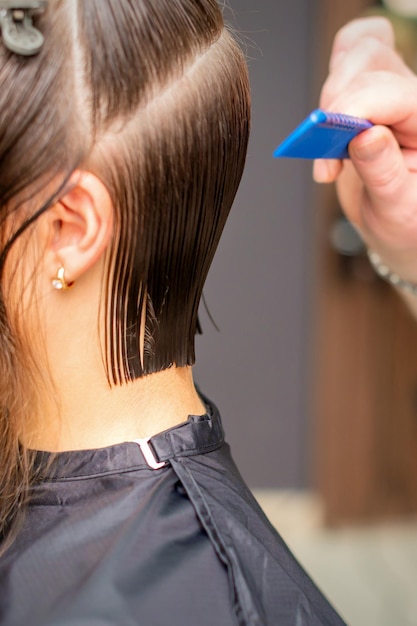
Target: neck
(89,414)
(84,412)
(95,417)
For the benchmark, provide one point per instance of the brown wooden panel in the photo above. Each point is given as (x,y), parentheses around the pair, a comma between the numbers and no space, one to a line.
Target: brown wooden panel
(366,380)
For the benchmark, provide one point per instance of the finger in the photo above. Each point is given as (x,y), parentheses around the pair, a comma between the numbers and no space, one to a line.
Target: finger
(378,28)
(326,170)
(383,98)
(380,165)
(367,55)
(377,189)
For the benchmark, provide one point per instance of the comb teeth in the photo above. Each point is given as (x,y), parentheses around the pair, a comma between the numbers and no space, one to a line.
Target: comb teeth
(346,122)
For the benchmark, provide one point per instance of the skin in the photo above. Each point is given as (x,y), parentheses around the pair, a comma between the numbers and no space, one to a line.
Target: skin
(79,410)
(378,187)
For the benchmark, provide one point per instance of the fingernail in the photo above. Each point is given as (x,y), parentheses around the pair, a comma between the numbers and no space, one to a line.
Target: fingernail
(320,172)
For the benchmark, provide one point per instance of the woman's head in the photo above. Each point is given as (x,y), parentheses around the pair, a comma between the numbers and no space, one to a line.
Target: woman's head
(151,97)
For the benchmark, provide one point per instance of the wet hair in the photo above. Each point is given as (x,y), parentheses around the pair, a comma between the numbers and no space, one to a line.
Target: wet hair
(152,96)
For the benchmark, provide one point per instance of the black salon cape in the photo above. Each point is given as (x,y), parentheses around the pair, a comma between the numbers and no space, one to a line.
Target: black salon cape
(110,541)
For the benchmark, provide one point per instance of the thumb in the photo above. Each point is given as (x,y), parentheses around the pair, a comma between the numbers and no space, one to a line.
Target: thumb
(380,164)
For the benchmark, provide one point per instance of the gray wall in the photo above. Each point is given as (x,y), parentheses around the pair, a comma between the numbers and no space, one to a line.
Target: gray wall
(256,368)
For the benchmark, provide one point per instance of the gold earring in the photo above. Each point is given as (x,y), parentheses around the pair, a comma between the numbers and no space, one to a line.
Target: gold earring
(59,283)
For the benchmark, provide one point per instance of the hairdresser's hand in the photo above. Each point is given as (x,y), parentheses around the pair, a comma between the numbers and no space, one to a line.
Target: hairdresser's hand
(378,187)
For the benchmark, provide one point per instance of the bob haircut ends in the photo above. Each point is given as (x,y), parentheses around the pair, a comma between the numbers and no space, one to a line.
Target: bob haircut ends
(173,169)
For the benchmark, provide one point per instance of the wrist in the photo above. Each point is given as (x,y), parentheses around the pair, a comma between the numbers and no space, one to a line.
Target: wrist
(392,277)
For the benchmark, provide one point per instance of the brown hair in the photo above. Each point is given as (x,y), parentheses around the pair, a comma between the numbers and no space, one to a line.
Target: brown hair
(153,97)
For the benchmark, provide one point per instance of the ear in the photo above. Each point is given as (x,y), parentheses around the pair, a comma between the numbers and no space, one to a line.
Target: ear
(80,226)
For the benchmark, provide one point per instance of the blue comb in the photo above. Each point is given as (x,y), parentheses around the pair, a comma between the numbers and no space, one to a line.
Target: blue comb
(322,135)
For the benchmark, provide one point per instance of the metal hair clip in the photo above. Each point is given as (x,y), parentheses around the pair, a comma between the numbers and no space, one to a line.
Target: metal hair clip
(16,24)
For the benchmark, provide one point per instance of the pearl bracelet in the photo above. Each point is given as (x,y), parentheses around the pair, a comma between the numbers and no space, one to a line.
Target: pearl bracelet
(384,271)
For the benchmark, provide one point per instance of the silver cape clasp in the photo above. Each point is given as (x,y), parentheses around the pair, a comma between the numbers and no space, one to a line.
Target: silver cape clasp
(149,454)
(16,24)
